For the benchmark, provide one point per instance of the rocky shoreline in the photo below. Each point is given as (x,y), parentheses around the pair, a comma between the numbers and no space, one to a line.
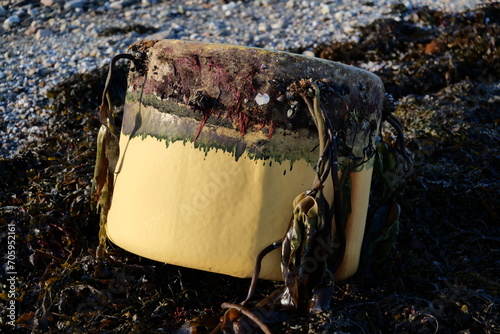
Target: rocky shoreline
(45,42)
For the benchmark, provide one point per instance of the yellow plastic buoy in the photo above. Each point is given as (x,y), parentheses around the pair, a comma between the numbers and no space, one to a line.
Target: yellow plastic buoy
(216,143)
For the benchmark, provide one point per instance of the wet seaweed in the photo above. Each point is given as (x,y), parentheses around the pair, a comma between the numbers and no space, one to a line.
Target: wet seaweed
(427,51)
(137,28)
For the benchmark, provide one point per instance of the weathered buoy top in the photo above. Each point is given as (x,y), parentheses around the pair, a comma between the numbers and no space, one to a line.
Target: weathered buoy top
(259,94)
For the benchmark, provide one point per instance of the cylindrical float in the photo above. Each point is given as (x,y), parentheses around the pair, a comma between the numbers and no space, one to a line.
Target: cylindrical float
(215,145)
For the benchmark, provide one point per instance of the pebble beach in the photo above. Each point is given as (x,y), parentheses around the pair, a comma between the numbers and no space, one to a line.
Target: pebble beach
(42,43)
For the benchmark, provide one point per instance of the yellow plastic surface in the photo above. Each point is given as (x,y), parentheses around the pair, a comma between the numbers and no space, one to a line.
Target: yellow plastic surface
(178,205)
(355,227)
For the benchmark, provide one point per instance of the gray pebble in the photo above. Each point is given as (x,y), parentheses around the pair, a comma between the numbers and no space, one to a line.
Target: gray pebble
(74,4)
(116,5)
(42,33)
(48,3)
(33,12)
(229,6)
(19,12)
(11,22)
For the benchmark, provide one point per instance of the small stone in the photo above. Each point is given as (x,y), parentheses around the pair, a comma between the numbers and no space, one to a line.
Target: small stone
(48,63)
(77,23)
(116,5)
(95,53)
(2,10)
(49,3)
(130,13)
(11,22)
(229,6)
(33,12)
(164,34)
(110,50)
(41,33)
(309,53)
(339,16)
(74,4)
(36,23)
(279,24)
(325,9)
(348,29)
(19,12)
(90,27)
(263,27)
(31,31)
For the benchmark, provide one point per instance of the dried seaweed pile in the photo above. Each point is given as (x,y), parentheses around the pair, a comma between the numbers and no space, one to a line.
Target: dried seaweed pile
(443,70)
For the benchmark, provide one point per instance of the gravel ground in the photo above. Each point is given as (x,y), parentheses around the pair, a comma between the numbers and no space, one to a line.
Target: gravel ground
(44,42)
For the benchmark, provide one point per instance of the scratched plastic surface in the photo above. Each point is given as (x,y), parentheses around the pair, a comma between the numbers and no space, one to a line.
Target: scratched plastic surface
(215,146)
